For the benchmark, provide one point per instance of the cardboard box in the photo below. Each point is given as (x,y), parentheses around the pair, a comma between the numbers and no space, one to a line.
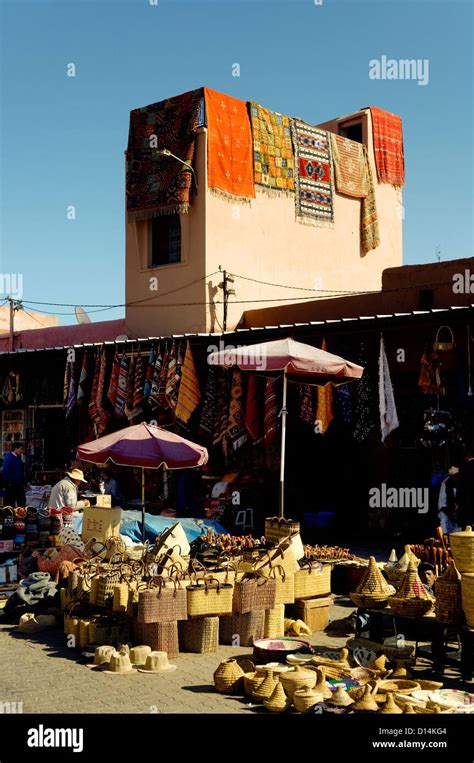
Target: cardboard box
(313,612)
(100,523)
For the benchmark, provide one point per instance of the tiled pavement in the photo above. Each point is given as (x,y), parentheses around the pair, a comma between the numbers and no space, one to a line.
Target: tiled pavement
(42,673)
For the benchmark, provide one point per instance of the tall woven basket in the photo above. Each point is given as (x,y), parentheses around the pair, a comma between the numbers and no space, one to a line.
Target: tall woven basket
(448,604)
(275,622)
(199,635)
(373,590)
(467,592)
(462,549)
(411,599)
(242,630)
(278,527)
(161,637)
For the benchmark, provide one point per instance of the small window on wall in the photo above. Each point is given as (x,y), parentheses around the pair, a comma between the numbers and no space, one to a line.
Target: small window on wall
(164,244)
(352,131)
(425,299)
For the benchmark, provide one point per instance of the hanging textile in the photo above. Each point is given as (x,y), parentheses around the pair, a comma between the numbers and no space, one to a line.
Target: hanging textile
(350,168)
(343,404)
(236,427)
(388,146)
(149,373)
(364,413)
(122,385)
(253,417)
(270,418)
(189,393)
(430,374)
(155,384)
(67,379)
(388,410)
(129,409)
(274,165)
(314,193)
(305,394)
(221,422)
(71,397)
(369,219)
(206,424)
(138,397)
(92,407)
(173,375)
(83,379)
(229,146)
(101,414)
(324,411)
(114,376)
(160,185)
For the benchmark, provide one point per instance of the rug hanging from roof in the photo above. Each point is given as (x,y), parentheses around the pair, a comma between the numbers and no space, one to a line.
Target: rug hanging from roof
(236,426)
(208,413)
(160,185)
(274,165)
(229,146)
(350,169)
(189,393)
(388,146)
(324,411)
(369,219)
(314,191)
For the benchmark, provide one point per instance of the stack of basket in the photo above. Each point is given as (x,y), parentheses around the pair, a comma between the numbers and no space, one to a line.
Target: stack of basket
(448,605)
(160,606)
(373,590)
(255,613)
(462,549)
(412,598)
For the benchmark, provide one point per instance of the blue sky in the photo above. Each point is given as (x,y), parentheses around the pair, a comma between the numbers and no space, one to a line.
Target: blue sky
(63,138)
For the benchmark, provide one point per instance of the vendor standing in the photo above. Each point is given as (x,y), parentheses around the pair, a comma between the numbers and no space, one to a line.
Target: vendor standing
(14,476)
(64,492)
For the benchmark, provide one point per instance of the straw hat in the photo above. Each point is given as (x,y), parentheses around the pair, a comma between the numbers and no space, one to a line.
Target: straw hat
(102,655)
(340,698)
(157,662)
(76,474)
(119,664)
(139,654)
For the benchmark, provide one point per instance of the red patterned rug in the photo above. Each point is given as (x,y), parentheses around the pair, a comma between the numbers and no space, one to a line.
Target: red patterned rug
(388,146)
(314,183)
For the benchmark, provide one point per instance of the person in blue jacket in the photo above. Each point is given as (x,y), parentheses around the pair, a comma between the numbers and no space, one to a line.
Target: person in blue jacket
(14,476)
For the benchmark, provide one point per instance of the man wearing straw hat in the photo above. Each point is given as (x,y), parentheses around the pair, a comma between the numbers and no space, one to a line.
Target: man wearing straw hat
(64,492)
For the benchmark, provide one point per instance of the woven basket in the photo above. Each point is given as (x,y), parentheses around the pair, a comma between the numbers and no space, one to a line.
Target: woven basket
(84,633)
(161,637)
(448,604)
(106,630)
(275,622)
(285,586)
(228,678)
(265,592)
(162,604)
(282,555)
(199,635)
(313,579)
(243,599)
(242,630)
(105,587)
(73,582)
(278,527)
(467,594)
(65,598)
(206,597)
(411,599)
(252,681)
(373,590)
(462,549)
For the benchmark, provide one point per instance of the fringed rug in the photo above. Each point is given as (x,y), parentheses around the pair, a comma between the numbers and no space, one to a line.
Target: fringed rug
(229,146)
(314,183)
(350,171)
(369,219)
(272,149)
(161,185)
(388,146)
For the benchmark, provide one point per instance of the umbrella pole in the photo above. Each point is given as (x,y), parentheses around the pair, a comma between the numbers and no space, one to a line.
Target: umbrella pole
(283,444)
(143,505)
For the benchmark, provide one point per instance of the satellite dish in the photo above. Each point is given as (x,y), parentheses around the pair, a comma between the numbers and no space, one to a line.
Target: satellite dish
(81,315)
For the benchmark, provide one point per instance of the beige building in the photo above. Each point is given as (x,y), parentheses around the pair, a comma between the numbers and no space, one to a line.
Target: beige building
(262,241)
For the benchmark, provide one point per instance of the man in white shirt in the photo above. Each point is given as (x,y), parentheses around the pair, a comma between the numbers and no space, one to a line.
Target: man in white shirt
(64,492)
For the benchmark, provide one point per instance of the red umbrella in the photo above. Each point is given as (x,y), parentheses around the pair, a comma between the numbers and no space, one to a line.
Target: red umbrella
(297,362)
(145,446)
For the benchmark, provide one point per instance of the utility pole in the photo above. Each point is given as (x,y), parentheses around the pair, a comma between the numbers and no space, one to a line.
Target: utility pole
(226,292)
(14,305)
